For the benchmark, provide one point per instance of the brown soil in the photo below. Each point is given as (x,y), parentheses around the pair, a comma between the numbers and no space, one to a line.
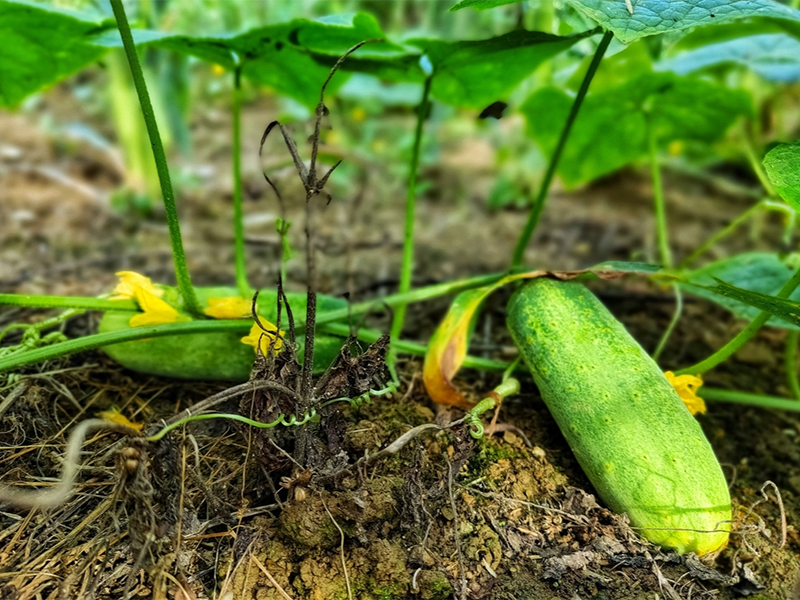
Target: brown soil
(508,517)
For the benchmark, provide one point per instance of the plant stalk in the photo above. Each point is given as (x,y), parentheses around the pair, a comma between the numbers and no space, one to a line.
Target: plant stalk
(205,326)
(748,332)
(541,198)
(673,322)
(407,267)
(238,214)
(662,230)
(181,271)
(66,302)
(722,233)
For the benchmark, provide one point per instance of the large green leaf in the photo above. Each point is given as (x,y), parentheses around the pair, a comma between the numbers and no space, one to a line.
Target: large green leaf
(40,45)
(774,56)
(760,272)
(473,74)
(783,168)
(293,58)
(651,17)
(612,127)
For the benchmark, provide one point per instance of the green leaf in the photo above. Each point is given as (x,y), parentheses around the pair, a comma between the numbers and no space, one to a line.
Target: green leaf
(758,272)
(481,4)
(611,129)
(781,308)
(293,58)
(473,74)
(773,56)
(42,45)
(782,164)
(651,17)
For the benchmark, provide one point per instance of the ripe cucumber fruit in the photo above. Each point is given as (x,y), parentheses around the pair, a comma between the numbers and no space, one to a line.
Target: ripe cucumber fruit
(634,438)
(215,356)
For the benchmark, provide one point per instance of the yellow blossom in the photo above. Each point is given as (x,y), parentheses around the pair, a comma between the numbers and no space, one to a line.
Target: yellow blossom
(129,282)
(687,386)
(113,415)
(218,70)
(235,307)
(156,311)
(263,339)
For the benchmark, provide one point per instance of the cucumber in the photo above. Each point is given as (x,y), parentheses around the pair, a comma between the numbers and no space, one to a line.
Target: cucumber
(636,441)
(214,356)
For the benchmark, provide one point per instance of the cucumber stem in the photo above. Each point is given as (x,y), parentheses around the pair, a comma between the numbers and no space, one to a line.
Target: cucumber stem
(675,318)
(407,267)
(541,198)
(744,336)
(179,257)
(662,230)
(722,233)
(104,339)
(42,301)
(238,217)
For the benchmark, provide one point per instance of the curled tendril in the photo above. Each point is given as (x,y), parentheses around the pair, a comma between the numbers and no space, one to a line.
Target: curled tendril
(290,421)
(473,417)
(294,421)
(365,397)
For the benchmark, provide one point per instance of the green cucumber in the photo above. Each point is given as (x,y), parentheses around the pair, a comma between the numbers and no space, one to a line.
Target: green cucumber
(217,356)
(634,438)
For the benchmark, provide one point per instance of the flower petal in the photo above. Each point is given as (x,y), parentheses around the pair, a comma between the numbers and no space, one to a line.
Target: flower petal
(156,311)
(129,282)
(687,386)
(263,339)
(234,307)
(113,415)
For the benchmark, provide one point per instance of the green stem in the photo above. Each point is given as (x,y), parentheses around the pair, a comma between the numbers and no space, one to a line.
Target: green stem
(90,342)
(415,349)
(538,205)
(407,267)
(675,318)
(662,231)
(205,417)
(748,332)
(66,302)
(750,399)
(722,233)
(418,295)
(238,216)
(756,163)
(181,271)
(137,333)
(790,357)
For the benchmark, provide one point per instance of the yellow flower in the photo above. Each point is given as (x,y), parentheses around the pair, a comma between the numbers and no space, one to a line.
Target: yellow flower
(129,282)
(156,311)
(228,308)
(686,386)
(258,338)
(114,416)
(218,70)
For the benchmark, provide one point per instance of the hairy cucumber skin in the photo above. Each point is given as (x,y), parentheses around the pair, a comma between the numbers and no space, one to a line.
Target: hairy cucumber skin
(643,451)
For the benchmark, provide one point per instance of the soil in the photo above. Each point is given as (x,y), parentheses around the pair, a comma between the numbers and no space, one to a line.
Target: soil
(507,517)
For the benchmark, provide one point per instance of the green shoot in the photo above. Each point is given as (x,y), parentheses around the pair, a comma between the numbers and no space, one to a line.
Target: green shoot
(538,205)
(238,216)
(407,268)
(744,336)
(181,271)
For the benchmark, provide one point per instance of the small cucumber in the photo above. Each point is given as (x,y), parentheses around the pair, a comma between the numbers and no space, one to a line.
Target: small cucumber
(634,438)
(216,356)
